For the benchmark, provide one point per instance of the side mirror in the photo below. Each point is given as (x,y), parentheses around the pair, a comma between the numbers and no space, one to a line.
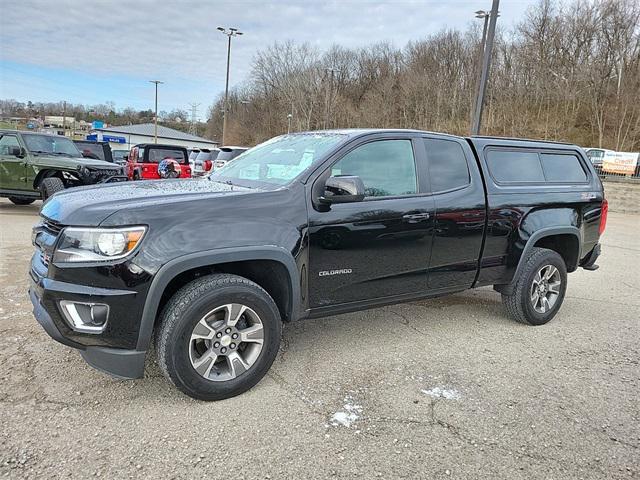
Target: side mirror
(16,152)
(342,189)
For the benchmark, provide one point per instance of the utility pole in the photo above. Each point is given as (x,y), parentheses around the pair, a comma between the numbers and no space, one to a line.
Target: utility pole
(155,117)
(64,118)
(329,95)
(486,65)
(230,32)
(194,110)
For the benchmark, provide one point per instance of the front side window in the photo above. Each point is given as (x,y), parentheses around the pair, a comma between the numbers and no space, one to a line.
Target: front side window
(387,167)
(448,167)
(8,143)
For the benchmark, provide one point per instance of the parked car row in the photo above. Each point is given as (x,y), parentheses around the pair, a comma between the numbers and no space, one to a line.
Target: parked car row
(205,160)
(37,165)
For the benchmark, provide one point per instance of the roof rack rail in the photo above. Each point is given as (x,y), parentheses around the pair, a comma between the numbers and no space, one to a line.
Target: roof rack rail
(493,137)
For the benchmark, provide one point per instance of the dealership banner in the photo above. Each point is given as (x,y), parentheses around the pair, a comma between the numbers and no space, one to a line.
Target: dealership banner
(620,162)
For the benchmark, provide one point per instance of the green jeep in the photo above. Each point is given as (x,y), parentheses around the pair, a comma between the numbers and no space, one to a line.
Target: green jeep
(37,165)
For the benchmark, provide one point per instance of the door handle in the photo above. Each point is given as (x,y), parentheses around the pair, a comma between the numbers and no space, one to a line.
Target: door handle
(415,217)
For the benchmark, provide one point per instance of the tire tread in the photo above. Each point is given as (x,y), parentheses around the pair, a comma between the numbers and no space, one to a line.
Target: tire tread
(180,300)
(513,302)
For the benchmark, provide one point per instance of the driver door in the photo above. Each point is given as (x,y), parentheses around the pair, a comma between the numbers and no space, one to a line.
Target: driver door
(13,169)
(379,247)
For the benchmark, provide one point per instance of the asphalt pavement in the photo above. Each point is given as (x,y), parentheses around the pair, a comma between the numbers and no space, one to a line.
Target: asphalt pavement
(446,388)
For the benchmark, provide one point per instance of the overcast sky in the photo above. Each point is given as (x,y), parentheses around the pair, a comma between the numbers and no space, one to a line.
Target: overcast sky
(98,51)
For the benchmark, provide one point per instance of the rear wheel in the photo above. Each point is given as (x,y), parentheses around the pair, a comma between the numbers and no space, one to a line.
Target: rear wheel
(22,200)
(218,336)
(540,289)
(49,186)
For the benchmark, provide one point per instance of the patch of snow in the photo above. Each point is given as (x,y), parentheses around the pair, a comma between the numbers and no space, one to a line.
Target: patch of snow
(349,414)
(440,392)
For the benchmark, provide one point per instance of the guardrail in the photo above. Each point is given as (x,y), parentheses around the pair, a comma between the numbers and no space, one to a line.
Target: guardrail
(632,177)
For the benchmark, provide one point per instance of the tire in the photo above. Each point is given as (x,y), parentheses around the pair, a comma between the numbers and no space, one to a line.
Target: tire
(523,305)
(207,300)
(22,200)
(49,186)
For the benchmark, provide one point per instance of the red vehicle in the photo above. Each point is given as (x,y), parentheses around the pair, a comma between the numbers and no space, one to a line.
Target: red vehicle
(151,161)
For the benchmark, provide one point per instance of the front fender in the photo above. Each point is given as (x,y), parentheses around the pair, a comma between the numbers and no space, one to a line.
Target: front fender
(212,257)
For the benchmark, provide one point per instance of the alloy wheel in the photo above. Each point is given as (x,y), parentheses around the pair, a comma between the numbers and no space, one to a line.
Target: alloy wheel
(545,289)
(226,342)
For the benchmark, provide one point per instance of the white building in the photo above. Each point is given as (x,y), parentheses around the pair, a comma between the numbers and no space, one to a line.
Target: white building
(126,136)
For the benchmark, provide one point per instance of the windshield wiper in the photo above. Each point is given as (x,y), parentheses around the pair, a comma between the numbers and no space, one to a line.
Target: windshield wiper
(51,153)
(229,182)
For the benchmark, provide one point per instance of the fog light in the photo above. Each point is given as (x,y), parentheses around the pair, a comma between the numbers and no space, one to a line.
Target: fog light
(85,317)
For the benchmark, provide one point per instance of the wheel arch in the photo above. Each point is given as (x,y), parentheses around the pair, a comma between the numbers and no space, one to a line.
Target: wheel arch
(253,263)
(46,173)
(563,240)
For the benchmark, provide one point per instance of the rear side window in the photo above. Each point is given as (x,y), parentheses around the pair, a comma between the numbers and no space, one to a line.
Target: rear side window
(562,168)
(512,166)
(448,167)
(521,166)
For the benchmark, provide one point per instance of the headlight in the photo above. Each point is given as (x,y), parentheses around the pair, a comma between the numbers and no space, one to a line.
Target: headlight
(97,244)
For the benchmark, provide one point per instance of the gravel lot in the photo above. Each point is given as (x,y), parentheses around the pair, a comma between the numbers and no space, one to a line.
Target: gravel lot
(448,388)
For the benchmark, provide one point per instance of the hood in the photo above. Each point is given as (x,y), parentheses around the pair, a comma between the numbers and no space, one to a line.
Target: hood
(91,205)
(73,162)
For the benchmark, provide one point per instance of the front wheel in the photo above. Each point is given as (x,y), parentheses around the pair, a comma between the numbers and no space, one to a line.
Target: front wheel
(49,186)
(22,200)
(218,336)
(540,288)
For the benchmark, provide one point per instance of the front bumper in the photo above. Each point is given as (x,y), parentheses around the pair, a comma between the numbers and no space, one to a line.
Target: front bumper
(97,350)
(120,363)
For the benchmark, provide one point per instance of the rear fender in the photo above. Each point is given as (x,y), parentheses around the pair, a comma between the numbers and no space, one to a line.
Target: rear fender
(529,245)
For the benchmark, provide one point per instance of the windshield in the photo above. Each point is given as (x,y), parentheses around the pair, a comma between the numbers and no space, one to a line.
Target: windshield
(279,160)
(51,144)
(120,154)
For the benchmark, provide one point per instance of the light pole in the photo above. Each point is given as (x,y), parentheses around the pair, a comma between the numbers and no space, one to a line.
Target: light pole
(229,32)
(289,117)
(155,117)
(488,36)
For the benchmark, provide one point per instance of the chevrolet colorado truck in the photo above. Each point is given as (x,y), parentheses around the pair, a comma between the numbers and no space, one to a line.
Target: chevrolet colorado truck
(307,225)
(36,165)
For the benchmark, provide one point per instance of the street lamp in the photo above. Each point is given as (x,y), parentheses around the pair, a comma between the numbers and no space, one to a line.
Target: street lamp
(488,35)
(155,117)
(289,117)
(229,32)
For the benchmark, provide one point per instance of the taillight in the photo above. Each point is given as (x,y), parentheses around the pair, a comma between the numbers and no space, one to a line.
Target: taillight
(603,216)
(207,165)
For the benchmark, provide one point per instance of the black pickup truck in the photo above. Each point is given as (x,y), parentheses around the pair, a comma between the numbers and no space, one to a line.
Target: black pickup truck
(307,225)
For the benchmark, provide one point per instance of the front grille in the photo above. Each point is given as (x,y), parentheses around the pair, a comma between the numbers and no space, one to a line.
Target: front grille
(45,236)
(52,227)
